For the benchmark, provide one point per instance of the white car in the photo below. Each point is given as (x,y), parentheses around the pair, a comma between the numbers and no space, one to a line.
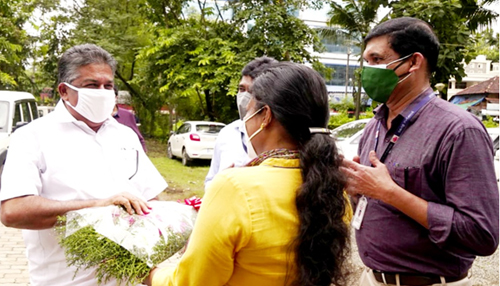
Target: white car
(44,110)
(347,137)
(16,109)
(494,133)
(194,140)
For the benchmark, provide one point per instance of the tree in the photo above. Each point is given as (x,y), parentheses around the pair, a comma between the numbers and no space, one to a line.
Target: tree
(189,66)
(273,29)
(51,43)
(120,27)
(486,43)
(174,55)
(14,43)
(356,17)
(199,59)
(454,21)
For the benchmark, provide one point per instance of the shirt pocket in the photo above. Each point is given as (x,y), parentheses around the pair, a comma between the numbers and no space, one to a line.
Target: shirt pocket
(408,178)
(125,162)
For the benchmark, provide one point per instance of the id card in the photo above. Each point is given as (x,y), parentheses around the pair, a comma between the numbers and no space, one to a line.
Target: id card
(360,213)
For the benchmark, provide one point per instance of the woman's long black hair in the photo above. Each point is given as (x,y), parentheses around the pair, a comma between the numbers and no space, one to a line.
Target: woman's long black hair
(298,99)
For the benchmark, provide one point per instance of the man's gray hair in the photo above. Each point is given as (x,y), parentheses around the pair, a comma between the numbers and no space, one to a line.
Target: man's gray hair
(79,56)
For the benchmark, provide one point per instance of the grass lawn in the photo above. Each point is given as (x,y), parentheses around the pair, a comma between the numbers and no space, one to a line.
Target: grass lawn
(183,182)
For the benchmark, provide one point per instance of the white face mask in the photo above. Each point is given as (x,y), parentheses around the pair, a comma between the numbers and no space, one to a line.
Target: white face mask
(95,105)
(250,150)
(242,99)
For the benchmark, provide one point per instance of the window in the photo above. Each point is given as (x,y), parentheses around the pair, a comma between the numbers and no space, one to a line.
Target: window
(184,129)
(209,128)
(26,112)
(4,115)
(348,130)
(17,115)
(33,109)
(339,44)
(338,75)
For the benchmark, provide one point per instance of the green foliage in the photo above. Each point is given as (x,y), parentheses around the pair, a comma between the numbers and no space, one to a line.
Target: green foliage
(14,44)
(486,43)
(356,17)
(343,106)
(325,72)
(344,117)
(194,73)
(489,123)
(86,249)
(171,55)
(453,21)
(274,30)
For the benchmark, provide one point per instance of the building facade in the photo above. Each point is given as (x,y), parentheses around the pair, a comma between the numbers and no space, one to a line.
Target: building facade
(478,70)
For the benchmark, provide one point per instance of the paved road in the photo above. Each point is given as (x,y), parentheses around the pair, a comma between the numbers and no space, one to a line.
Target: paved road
(14,268)
(13,263)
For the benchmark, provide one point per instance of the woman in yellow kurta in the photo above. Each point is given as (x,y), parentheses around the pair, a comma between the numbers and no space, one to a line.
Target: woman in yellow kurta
(278,221)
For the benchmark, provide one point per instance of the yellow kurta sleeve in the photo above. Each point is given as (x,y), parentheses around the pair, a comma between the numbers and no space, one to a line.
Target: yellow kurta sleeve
(222,228)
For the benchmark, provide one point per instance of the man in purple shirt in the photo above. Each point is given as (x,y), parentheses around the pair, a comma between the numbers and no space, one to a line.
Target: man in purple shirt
(424,183)
(126,117)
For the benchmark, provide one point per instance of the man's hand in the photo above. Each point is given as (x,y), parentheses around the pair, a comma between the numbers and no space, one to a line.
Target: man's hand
(131,203)
(374,182)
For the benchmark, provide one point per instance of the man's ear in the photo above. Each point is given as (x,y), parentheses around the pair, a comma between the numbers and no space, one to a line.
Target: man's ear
(418,62)
(63,91)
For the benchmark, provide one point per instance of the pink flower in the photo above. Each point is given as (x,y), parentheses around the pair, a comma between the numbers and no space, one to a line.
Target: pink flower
(131,220)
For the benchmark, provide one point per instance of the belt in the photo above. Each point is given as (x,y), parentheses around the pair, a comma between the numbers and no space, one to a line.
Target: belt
(413,279)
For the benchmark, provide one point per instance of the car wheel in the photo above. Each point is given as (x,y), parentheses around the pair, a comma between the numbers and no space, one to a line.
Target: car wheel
(170,155)
(186,161)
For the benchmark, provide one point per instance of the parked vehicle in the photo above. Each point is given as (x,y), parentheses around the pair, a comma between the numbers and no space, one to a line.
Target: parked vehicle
(44,110)
(347,137)
(194,140)
(16,109)
(494,133)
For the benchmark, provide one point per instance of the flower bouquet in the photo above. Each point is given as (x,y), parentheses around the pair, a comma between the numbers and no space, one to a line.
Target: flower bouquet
(122,246)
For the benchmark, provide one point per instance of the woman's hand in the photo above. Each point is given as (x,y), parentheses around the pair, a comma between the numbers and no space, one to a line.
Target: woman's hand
(149,280)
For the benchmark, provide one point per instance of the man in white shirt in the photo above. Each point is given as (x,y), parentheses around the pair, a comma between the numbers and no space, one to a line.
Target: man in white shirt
(76,157)
(230,148)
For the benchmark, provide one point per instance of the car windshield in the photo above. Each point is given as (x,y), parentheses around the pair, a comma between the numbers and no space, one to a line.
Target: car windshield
(346,131)
(209,128)
(4,115)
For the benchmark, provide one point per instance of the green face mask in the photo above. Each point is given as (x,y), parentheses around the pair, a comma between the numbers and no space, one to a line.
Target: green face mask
(379,81)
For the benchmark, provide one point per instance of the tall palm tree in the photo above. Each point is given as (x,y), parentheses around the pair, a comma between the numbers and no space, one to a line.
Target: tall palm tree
(477,14)
(357,18)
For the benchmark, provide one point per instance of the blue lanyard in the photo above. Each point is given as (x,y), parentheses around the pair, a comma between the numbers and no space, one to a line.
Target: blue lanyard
(402,126)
